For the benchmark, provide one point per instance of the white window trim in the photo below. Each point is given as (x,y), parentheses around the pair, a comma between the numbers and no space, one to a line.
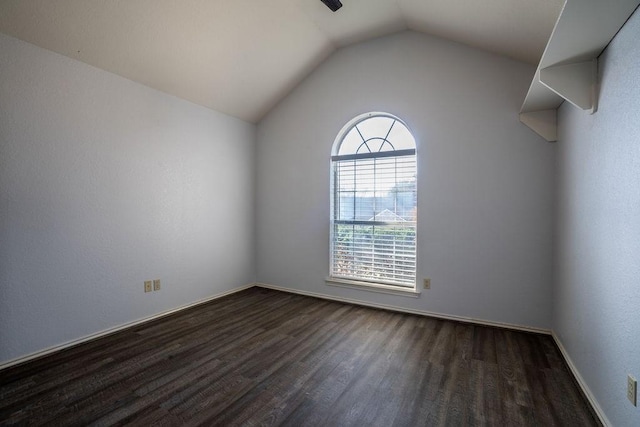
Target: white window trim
(373,287)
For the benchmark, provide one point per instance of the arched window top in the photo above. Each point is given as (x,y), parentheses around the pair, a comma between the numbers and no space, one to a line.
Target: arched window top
(374,133)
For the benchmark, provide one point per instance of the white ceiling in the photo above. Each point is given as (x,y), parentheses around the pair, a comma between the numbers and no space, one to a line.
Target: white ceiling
(240,57)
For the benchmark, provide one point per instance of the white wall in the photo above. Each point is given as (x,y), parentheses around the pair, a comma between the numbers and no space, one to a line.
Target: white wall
(105,183)
(597,294)
(486,182)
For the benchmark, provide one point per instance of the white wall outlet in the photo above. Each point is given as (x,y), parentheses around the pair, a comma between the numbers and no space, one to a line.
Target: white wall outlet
(156,285)
(427,283)
(147,285)
(632,390)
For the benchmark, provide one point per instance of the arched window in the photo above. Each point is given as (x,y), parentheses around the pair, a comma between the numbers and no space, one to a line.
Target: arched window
(373,212)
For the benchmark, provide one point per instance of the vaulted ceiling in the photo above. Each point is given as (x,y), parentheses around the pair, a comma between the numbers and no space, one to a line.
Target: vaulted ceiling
(240,57)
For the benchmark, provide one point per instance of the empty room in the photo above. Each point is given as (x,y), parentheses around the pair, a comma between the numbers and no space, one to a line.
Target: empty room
(320,212)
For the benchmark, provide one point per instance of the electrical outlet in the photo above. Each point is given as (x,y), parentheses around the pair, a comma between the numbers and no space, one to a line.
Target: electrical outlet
(156,285)
(147,285)
(632,390)
(427,283)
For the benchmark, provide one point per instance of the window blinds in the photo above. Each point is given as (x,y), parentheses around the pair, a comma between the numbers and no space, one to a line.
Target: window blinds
(374,217)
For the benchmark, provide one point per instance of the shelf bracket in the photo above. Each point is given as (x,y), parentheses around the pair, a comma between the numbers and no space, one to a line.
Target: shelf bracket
(544,123)
(575,82)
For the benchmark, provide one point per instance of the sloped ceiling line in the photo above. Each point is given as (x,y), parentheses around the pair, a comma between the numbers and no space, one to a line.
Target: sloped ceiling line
(242,57)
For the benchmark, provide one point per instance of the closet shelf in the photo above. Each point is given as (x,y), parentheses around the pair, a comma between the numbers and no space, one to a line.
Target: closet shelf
(569,65)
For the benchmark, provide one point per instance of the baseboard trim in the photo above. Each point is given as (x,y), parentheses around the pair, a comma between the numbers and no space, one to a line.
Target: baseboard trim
(115,329)
(411,311)
(581,383)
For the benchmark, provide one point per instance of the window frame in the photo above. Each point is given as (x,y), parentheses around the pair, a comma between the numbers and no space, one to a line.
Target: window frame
(376,285)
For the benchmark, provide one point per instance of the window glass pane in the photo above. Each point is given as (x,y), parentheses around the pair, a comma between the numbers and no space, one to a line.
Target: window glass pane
(384,146)
(401,138)
(375,127)
(350,143)
(364,207)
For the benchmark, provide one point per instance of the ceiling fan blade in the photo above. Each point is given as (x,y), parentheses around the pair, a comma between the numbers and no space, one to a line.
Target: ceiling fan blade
(333,4)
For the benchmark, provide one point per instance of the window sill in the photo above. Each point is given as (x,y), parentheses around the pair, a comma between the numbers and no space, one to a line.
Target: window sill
(373,287)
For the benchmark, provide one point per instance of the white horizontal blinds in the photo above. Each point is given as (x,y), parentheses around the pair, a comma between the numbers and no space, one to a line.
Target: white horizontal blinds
(374,212)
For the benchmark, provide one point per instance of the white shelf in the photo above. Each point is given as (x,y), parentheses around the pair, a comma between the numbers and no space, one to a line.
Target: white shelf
(568,68)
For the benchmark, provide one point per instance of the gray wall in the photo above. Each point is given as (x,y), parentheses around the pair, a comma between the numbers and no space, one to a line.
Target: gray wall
(486,182)
(105,183)
(597,293)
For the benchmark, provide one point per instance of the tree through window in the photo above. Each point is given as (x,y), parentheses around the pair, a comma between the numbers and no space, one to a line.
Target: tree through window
(373,227)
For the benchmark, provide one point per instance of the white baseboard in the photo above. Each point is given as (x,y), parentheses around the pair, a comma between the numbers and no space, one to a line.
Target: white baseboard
(583,385)
(109,331)
(411,311)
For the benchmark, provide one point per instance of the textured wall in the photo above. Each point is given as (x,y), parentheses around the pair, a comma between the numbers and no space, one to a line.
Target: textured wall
(486,182)
(597,295)
(105,183)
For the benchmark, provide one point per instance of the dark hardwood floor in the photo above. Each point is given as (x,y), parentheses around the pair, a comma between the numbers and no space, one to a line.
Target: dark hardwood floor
(262,357)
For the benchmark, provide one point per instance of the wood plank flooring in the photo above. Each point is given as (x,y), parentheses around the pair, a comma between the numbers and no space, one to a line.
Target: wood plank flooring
(263,357)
